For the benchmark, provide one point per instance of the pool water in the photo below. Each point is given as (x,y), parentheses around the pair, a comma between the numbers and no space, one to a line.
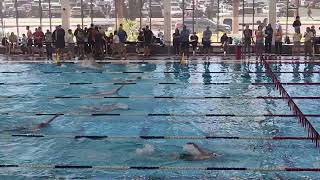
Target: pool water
(188,85)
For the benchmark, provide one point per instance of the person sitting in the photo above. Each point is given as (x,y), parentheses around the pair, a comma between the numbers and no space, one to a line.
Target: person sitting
(225,43)
(140,43)
(24,44)
(5,43)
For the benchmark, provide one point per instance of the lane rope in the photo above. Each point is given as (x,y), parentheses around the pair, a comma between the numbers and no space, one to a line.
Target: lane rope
(312,132)
(170,168)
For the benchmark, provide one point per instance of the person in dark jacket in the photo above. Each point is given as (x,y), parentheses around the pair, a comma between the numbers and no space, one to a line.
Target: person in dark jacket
(268,38)
(297,24)
(59,42)
(176,41)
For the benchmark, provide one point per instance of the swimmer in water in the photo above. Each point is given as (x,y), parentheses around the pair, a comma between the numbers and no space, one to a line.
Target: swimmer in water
(195,153)
(192,152)
(107,108)
(121,80)
(106,93)
(90,64)
(34,128)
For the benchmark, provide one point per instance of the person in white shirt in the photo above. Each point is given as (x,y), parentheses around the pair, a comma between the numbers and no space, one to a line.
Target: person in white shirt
(297,36)
(70,43)
(308,37)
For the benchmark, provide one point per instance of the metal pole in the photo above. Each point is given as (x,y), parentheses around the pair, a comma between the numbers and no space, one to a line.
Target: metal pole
(243,18)
(183,9)
(91,9)
(254,11)
(218,20)
(141,4)
(40,13)
(287,19)
(116,12)
(150,14)
(193,7)
(81,9)
(50,16)
(17,16)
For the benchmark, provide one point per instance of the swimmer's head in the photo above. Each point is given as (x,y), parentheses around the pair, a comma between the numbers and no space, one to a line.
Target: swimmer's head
(139,77)
(146,150)
(122,106)
(193,149)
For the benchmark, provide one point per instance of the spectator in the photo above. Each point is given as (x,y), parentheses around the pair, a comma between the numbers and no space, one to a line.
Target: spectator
(268,39)
(24,44)
(109,43)
(296,44)
(87,49)
(140,42)
(194,42)
(248,39)
(5,43)
(148,37)
(122,34)
(38,40)
(70,44)
(184,36)
(99,43)
(116,42)
(225,43)
(48,43)
(259,42)
(161,38)
(308,36)
(206,41)
(30,40)
(176,41)
(80,39)
(91,37)
(13,40)
(58,37)
(297,24)
(278,42)
(314,40)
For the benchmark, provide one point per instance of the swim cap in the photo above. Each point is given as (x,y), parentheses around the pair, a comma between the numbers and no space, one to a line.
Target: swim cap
(122,106)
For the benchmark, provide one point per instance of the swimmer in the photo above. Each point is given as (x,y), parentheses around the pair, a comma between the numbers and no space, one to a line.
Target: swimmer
(113,91)
(35,128)
(195,153)
(107,108)
(121,80)
(192,152)
(106,93)
(90,64)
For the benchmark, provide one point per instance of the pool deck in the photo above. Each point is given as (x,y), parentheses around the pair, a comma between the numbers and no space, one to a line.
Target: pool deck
(230,59)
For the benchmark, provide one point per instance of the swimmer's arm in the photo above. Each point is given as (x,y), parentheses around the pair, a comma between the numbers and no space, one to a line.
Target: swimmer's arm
(44,124)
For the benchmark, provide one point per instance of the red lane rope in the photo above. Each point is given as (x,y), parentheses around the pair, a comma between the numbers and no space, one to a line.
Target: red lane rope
(312,132)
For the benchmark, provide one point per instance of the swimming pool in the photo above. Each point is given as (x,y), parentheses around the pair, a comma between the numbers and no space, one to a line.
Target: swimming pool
(199,100)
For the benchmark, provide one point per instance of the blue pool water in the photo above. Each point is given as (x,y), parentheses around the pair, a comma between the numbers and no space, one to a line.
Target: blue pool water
(192,84)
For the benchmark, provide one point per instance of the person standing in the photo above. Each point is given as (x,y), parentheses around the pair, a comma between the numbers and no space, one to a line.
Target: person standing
(278,42)
(70,43)
(176,41)
(225,43)
(148,37)
(314,40)
(206,41)
(308,50)
(185,43)
(38,40)
(91,32)
(48,43)
(296,45)
(309,11)
(122,34)
(13,40)
(116,43)
(194,42)
(248,39)
(24,44)
(259,42)
(268,39)
(109,43)
(30,40)
(58,37)
(80,39)
(297,24)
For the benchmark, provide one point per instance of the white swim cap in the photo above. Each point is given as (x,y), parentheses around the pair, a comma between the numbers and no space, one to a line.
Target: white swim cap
(122,106)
